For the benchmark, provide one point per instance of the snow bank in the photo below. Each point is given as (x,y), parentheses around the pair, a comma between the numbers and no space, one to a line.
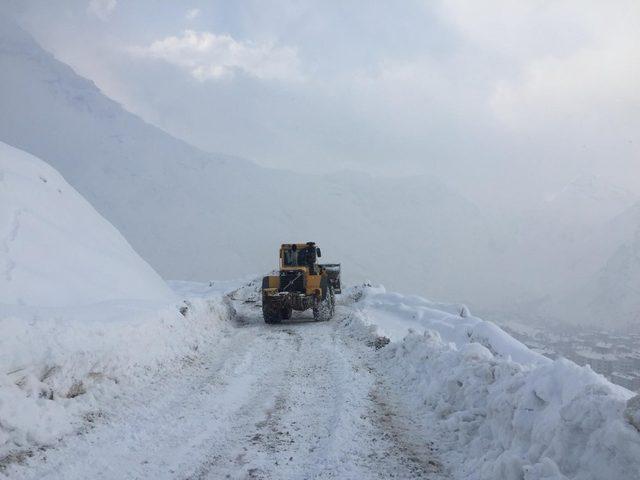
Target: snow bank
(56,364)
(55,249)
(81,314)
(245,288)
(498,410)
(249,291)
(395,315)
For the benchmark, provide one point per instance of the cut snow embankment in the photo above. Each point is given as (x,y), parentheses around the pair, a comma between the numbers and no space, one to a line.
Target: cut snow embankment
(497,409)
(55,249)
(81,314)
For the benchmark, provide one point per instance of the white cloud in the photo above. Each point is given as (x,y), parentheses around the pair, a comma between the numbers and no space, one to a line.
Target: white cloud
(192,13)
(102,8)
(601,81)
(208,56)
(574,59)
(457,87)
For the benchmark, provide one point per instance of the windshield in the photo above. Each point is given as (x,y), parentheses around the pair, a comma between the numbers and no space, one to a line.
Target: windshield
(298,258)
(290,258)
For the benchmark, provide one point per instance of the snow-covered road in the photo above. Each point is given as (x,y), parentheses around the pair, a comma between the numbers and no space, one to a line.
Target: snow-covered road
(296,400)
(217,393)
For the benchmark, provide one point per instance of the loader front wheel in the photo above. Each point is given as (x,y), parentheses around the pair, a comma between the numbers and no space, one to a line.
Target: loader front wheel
(324,310)
(270,314)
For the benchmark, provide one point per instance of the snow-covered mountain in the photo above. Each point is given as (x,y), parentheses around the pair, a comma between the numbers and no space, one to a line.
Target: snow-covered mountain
(610,295)
(194,215)
(574,223)
(55,249)
(588,200)
(549,253)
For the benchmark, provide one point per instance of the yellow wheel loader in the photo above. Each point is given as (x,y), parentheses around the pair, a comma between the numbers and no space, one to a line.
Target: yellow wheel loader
(300,284)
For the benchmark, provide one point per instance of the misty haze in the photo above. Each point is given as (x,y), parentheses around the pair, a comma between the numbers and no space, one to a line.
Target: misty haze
(286,239)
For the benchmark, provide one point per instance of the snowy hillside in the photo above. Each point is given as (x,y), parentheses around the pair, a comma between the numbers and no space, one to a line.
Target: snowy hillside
(193,215)
(56,250)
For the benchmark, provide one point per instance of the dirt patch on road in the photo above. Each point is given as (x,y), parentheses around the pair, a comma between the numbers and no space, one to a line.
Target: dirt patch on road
(418,456)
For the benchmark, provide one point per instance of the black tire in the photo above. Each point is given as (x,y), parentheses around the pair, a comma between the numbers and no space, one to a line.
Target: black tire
(270,315)
(332,298)
(324,310)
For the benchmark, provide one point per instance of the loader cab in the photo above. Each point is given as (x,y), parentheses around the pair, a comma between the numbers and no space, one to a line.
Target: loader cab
(297,255)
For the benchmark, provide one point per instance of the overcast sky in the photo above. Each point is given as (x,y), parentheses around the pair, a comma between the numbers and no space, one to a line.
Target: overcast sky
(505,99)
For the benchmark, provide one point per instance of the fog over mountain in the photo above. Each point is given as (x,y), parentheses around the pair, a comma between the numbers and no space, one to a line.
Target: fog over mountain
(572,257)
(229,213)
(611,294)
(508,101)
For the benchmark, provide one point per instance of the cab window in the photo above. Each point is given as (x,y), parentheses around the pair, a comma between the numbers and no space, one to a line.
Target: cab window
(290,258)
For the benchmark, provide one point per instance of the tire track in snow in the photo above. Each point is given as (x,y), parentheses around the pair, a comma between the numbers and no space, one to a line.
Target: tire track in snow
(330,417)
(292,401)
(230,456)
(419,456)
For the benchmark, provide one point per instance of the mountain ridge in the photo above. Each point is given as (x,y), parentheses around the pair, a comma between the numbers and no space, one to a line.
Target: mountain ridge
(196,215)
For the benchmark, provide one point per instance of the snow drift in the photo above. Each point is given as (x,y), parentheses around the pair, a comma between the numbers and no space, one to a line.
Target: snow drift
(497,409)
(80,312)
(57,366)
(55,249)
